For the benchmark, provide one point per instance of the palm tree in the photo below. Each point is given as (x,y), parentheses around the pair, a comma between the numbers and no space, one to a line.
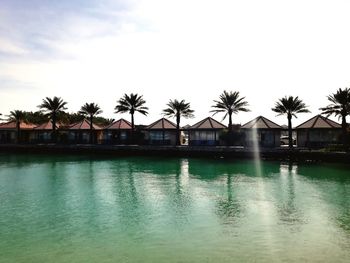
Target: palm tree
(90,110)
(229,103)
(18,116)
(131,103)
(53,107)
(176,109)
(340,106)
(290,106)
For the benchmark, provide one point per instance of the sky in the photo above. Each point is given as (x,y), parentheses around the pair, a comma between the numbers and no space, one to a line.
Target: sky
(98,50)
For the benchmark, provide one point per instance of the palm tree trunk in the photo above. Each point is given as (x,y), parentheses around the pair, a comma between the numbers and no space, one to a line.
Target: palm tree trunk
(290,139)
(230,128)
(178,129)
(344,130)
(53,137)
(91,129)
(132,128)
(18,129)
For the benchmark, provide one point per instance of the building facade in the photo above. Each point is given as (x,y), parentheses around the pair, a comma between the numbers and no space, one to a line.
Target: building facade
(262,131)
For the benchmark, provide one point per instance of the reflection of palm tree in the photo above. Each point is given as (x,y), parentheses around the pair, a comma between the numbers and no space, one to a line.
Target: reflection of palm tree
(125,190)
(229,208)
(131,103)
(53,107)
(177,109)
(288,211)
(343,219)
(181,199)
(340,106)
(290,106)
(18,116)
(90,110)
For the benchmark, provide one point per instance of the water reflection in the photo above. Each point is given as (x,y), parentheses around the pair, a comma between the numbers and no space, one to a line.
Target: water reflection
(228,207)
(181,198)
(287,208)
(152,206)
(215,168)
(328,172)
(332,184)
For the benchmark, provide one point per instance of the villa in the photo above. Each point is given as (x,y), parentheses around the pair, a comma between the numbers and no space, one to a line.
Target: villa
(80,132)
(264,131)
(318,132)
(161,132)
(205,132)
(118,132)
(8,132)
(42,133)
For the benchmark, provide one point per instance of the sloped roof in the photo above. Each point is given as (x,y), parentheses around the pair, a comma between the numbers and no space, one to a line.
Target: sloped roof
(319,122)
(12,125)
(261,122)
(84,125)
(120,124)
(161,124)
(208,123)
(47,126)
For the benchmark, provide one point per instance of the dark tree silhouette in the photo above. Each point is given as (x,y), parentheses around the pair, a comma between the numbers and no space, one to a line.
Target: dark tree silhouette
(340,107)
(90,110)
(131,103)
(230,103)
(18,116)
(290,106)
(177,109)
(53,107)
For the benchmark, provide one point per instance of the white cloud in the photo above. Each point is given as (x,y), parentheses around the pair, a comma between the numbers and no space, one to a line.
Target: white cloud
(10,47)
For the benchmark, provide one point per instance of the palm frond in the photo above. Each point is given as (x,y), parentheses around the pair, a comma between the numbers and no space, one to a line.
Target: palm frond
(90,109)
(290,105)
(230,102)
(177,108)
(340,103)
(131,103)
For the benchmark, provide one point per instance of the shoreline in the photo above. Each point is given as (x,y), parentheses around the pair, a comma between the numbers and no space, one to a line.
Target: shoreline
(235,152)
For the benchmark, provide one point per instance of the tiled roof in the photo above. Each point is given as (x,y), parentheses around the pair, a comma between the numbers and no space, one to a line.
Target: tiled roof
(47,126)
(12,125)
(119,125)
(208,123)
(319,122)
(161,124)
(261,122)
(84,125)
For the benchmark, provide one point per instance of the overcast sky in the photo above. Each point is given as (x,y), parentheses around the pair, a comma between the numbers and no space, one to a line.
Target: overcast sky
(97,50)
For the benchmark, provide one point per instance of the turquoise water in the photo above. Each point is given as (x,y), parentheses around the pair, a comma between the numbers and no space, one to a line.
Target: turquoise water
(83,209)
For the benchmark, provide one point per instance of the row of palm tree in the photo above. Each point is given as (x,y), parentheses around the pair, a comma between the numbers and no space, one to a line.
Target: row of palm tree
(228,103)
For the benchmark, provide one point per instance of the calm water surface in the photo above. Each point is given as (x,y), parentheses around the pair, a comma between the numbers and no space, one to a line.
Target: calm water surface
(83,209)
